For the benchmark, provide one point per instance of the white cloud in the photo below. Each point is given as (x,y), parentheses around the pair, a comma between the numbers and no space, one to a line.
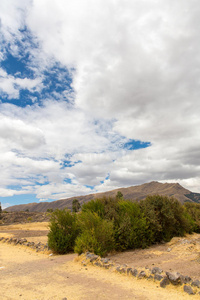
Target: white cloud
(136,76)
(11,85)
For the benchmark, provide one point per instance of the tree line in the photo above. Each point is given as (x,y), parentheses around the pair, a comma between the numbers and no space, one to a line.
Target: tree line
(107,224)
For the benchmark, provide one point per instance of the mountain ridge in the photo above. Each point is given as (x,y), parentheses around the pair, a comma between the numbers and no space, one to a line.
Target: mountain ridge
(137,193)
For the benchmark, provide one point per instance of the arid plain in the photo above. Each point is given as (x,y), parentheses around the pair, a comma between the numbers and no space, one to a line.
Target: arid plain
(27,274)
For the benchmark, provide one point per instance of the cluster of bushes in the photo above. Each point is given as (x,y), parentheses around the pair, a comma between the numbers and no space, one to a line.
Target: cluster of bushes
(108,224)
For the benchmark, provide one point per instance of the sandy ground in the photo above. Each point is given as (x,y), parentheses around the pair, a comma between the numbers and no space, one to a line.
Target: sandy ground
(33,232)
(26,274)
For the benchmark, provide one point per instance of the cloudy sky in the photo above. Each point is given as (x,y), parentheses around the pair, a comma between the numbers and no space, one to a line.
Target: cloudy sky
(96,95)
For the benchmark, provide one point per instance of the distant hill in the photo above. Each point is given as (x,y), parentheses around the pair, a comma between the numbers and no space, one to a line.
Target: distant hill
(138,193)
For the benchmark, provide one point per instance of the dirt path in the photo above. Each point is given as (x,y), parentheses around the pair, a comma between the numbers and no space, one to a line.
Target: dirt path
(25,274)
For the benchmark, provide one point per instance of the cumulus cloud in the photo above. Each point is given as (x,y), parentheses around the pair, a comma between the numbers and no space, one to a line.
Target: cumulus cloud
(11,85)
(135,76)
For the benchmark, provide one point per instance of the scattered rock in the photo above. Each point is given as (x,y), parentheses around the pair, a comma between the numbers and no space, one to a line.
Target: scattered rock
(185,279)
(156,270)
(158,277)
(120,269)
(188,289)
(164,282)
(133,272)
(92,257)
(174,277)
(196,283)
(142,274)
(104,260)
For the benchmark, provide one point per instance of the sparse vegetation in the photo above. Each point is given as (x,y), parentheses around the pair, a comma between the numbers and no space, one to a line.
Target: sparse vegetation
(108,224)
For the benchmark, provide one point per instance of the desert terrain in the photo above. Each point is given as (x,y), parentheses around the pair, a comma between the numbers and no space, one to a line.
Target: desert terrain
(27,274)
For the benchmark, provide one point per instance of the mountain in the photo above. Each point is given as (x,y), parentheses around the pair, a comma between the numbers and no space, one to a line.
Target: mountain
(138,193)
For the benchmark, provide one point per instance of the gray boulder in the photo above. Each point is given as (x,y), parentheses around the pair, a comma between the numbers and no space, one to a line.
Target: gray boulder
(188,289)
(196,283)
(164,282)
(174,277)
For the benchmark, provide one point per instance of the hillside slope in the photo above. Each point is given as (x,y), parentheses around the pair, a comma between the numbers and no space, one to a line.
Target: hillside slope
(133,193)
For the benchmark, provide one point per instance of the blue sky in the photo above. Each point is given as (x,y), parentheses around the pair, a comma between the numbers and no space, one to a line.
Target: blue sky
(87,109)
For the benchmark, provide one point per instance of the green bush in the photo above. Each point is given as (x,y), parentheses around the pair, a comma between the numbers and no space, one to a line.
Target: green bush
(63,231)
(106,224)
(95,206)
(131,230)
(96,236)
(165,217)
(192,213)
(106,208)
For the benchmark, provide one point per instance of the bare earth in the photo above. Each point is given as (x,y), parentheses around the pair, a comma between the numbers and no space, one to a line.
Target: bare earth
(26,274)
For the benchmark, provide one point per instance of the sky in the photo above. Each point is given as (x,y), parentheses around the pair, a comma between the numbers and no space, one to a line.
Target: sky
(97,95)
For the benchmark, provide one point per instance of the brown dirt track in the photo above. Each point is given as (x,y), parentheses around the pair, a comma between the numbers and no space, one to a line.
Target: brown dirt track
(25,274)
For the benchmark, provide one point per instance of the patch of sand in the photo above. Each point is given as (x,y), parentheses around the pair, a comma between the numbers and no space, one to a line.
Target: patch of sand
(29,275)
(33,232)
(25,274)
(26,226)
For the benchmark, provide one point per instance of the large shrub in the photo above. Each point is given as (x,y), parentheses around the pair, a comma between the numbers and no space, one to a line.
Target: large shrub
(192,213)
(96,236)
(63,231)
(131,228)
(165,217)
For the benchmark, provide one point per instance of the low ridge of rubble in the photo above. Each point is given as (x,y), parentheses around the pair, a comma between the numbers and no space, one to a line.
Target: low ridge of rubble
(190,286)
(39,247)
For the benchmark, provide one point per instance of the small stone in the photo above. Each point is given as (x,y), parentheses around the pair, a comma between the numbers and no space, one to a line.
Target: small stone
(97,264)
(92,257)
(106,266)
(133,272)
(120,270)
(128,270)
(196,283)
(188,289)
(141,275)
(169,249)
(164,282)
(158,277)
(185,279)
(156,270)
(104,260)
